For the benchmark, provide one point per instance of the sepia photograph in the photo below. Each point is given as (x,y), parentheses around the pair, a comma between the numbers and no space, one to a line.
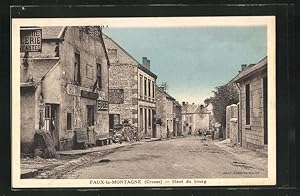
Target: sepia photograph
(143,102)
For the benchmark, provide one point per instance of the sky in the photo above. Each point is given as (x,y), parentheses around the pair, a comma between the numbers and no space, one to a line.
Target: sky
(193,60)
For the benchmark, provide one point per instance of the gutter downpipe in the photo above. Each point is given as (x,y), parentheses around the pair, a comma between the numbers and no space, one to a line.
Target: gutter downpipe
(239,112)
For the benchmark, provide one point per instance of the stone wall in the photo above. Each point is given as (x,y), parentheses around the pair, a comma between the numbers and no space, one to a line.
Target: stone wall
(232,116)
(227,128)
(253,134)
(125,74)
(146,103)
(124,77)
(233,128)
(178,120)
(187,123)
(164,112)
(27,110)
(201,121)
(91,52)
(54,87)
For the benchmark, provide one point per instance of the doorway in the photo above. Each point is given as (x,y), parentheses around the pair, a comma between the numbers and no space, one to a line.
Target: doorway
(51,122)
(154,124)
(174,127)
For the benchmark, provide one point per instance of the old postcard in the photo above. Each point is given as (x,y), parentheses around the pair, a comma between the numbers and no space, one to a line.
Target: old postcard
(143,102)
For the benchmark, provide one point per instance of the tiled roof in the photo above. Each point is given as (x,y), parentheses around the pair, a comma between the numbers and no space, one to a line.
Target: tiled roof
(189,108)
(251,69)
(51,32)
(193,109)
(39,69)
(204,110)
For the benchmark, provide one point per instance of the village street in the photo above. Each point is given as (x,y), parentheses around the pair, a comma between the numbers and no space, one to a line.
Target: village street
(187,157)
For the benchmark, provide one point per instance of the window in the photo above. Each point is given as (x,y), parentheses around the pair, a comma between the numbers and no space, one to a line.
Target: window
(69,121)
(145,87)
(90,115)
(247,91)
(149,89)
(99,82)
(116,119)
(77,68)
(153,87)
(141,118)
(47,117)
(149,117)
(145,121)
(141,86)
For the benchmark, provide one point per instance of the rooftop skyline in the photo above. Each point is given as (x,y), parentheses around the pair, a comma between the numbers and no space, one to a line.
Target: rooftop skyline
(193,60)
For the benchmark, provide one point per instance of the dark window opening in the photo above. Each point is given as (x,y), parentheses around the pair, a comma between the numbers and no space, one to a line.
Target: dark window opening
(141,86)
(77,68)
(141,118)
(90,115)
(149,89)
(116,119)
(247,91)
(145,121)
(149,117)
(145,87)
(69,121)
(47,117)
(153,87)
(99,82)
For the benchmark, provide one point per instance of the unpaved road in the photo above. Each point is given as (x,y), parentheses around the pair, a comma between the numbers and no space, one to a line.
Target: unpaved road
(175,158)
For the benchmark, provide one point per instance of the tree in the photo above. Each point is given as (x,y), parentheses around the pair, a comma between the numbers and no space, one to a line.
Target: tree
(223,96)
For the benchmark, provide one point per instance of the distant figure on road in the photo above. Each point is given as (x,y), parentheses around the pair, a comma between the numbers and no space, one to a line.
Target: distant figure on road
(199,132)
(203,135)
(213,134)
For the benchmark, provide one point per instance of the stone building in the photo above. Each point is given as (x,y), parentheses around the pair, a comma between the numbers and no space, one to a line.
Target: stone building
(253,116)
(232,123)
(131,90)
(177,119)
(168,113)
(194,118)
(61,85)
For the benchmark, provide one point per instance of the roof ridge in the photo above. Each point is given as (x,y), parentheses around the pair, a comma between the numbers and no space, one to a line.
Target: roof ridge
(122,49)
(140,66)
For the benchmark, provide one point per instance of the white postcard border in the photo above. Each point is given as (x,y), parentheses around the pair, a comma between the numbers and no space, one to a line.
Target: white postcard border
(159,22)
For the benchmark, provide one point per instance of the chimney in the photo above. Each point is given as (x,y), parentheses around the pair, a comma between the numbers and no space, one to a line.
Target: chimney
(201,107)
(146,62)
(243,67)
(162,88)
(183,103)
